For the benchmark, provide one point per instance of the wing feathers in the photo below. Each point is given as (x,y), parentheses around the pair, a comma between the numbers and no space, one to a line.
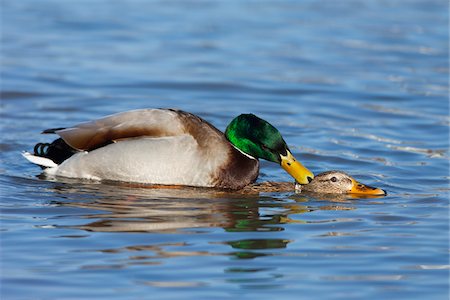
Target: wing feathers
(131,124)
(52,130)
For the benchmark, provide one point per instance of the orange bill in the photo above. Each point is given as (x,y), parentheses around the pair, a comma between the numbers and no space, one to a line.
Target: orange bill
(362,189)
(301,174)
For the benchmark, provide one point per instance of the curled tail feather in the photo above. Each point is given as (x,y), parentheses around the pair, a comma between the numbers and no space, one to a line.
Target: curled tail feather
(49,155)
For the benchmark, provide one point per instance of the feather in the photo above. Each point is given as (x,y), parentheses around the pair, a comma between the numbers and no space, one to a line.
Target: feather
(131,124)
(41,161)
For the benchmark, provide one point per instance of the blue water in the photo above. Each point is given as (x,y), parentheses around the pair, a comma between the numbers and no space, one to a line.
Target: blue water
(360,86)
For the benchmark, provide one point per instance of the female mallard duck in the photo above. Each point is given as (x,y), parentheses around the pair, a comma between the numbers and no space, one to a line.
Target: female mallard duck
(338,182)
(165,146)
(330,182)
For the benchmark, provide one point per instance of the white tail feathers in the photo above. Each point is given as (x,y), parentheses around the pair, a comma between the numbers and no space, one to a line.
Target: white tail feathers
(41,161)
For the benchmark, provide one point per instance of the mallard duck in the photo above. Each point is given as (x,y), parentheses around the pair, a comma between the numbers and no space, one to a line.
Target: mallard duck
(338,182)
(330,182)
(166,146)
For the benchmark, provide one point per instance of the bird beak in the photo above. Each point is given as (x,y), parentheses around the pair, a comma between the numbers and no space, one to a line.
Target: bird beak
(296,169)
(362,189)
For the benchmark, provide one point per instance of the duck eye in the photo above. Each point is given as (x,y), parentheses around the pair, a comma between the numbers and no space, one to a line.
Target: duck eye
(333,179)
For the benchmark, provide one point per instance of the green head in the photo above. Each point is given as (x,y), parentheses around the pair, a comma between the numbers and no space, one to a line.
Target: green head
(258,138)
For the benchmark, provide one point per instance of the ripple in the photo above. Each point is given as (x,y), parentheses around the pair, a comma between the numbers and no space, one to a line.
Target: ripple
(173,284)
(430,267)
(366,278)
(440,153)
(215,86)
(405,112)
(11,95)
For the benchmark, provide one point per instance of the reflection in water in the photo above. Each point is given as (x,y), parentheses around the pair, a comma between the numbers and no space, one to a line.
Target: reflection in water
(256,244)
(131,209)
(126,209)
(154,252)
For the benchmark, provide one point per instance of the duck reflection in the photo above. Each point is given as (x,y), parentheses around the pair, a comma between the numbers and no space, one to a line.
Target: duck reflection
(131,209)
(123,208)
(264,207)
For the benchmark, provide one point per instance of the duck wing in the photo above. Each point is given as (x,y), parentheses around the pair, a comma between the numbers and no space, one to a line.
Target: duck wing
(134,124)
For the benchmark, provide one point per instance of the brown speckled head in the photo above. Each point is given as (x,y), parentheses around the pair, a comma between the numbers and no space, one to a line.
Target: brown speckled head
(338,182)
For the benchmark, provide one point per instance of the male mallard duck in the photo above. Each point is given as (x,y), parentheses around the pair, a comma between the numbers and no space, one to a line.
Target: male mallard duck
(330,182)
(165,146)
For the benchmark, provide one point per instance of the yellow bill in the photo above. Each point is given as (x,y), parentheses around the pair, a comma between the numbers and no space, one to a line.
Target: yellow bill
(301,174)
(362,189)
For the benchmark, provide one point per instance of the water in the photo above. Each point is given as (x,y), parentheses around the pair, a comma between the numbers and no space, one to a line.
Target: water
(359,86)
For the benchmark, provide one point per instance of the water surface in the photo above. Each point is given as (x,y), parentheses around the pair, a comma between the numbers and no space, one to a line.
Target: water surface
(360,86)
